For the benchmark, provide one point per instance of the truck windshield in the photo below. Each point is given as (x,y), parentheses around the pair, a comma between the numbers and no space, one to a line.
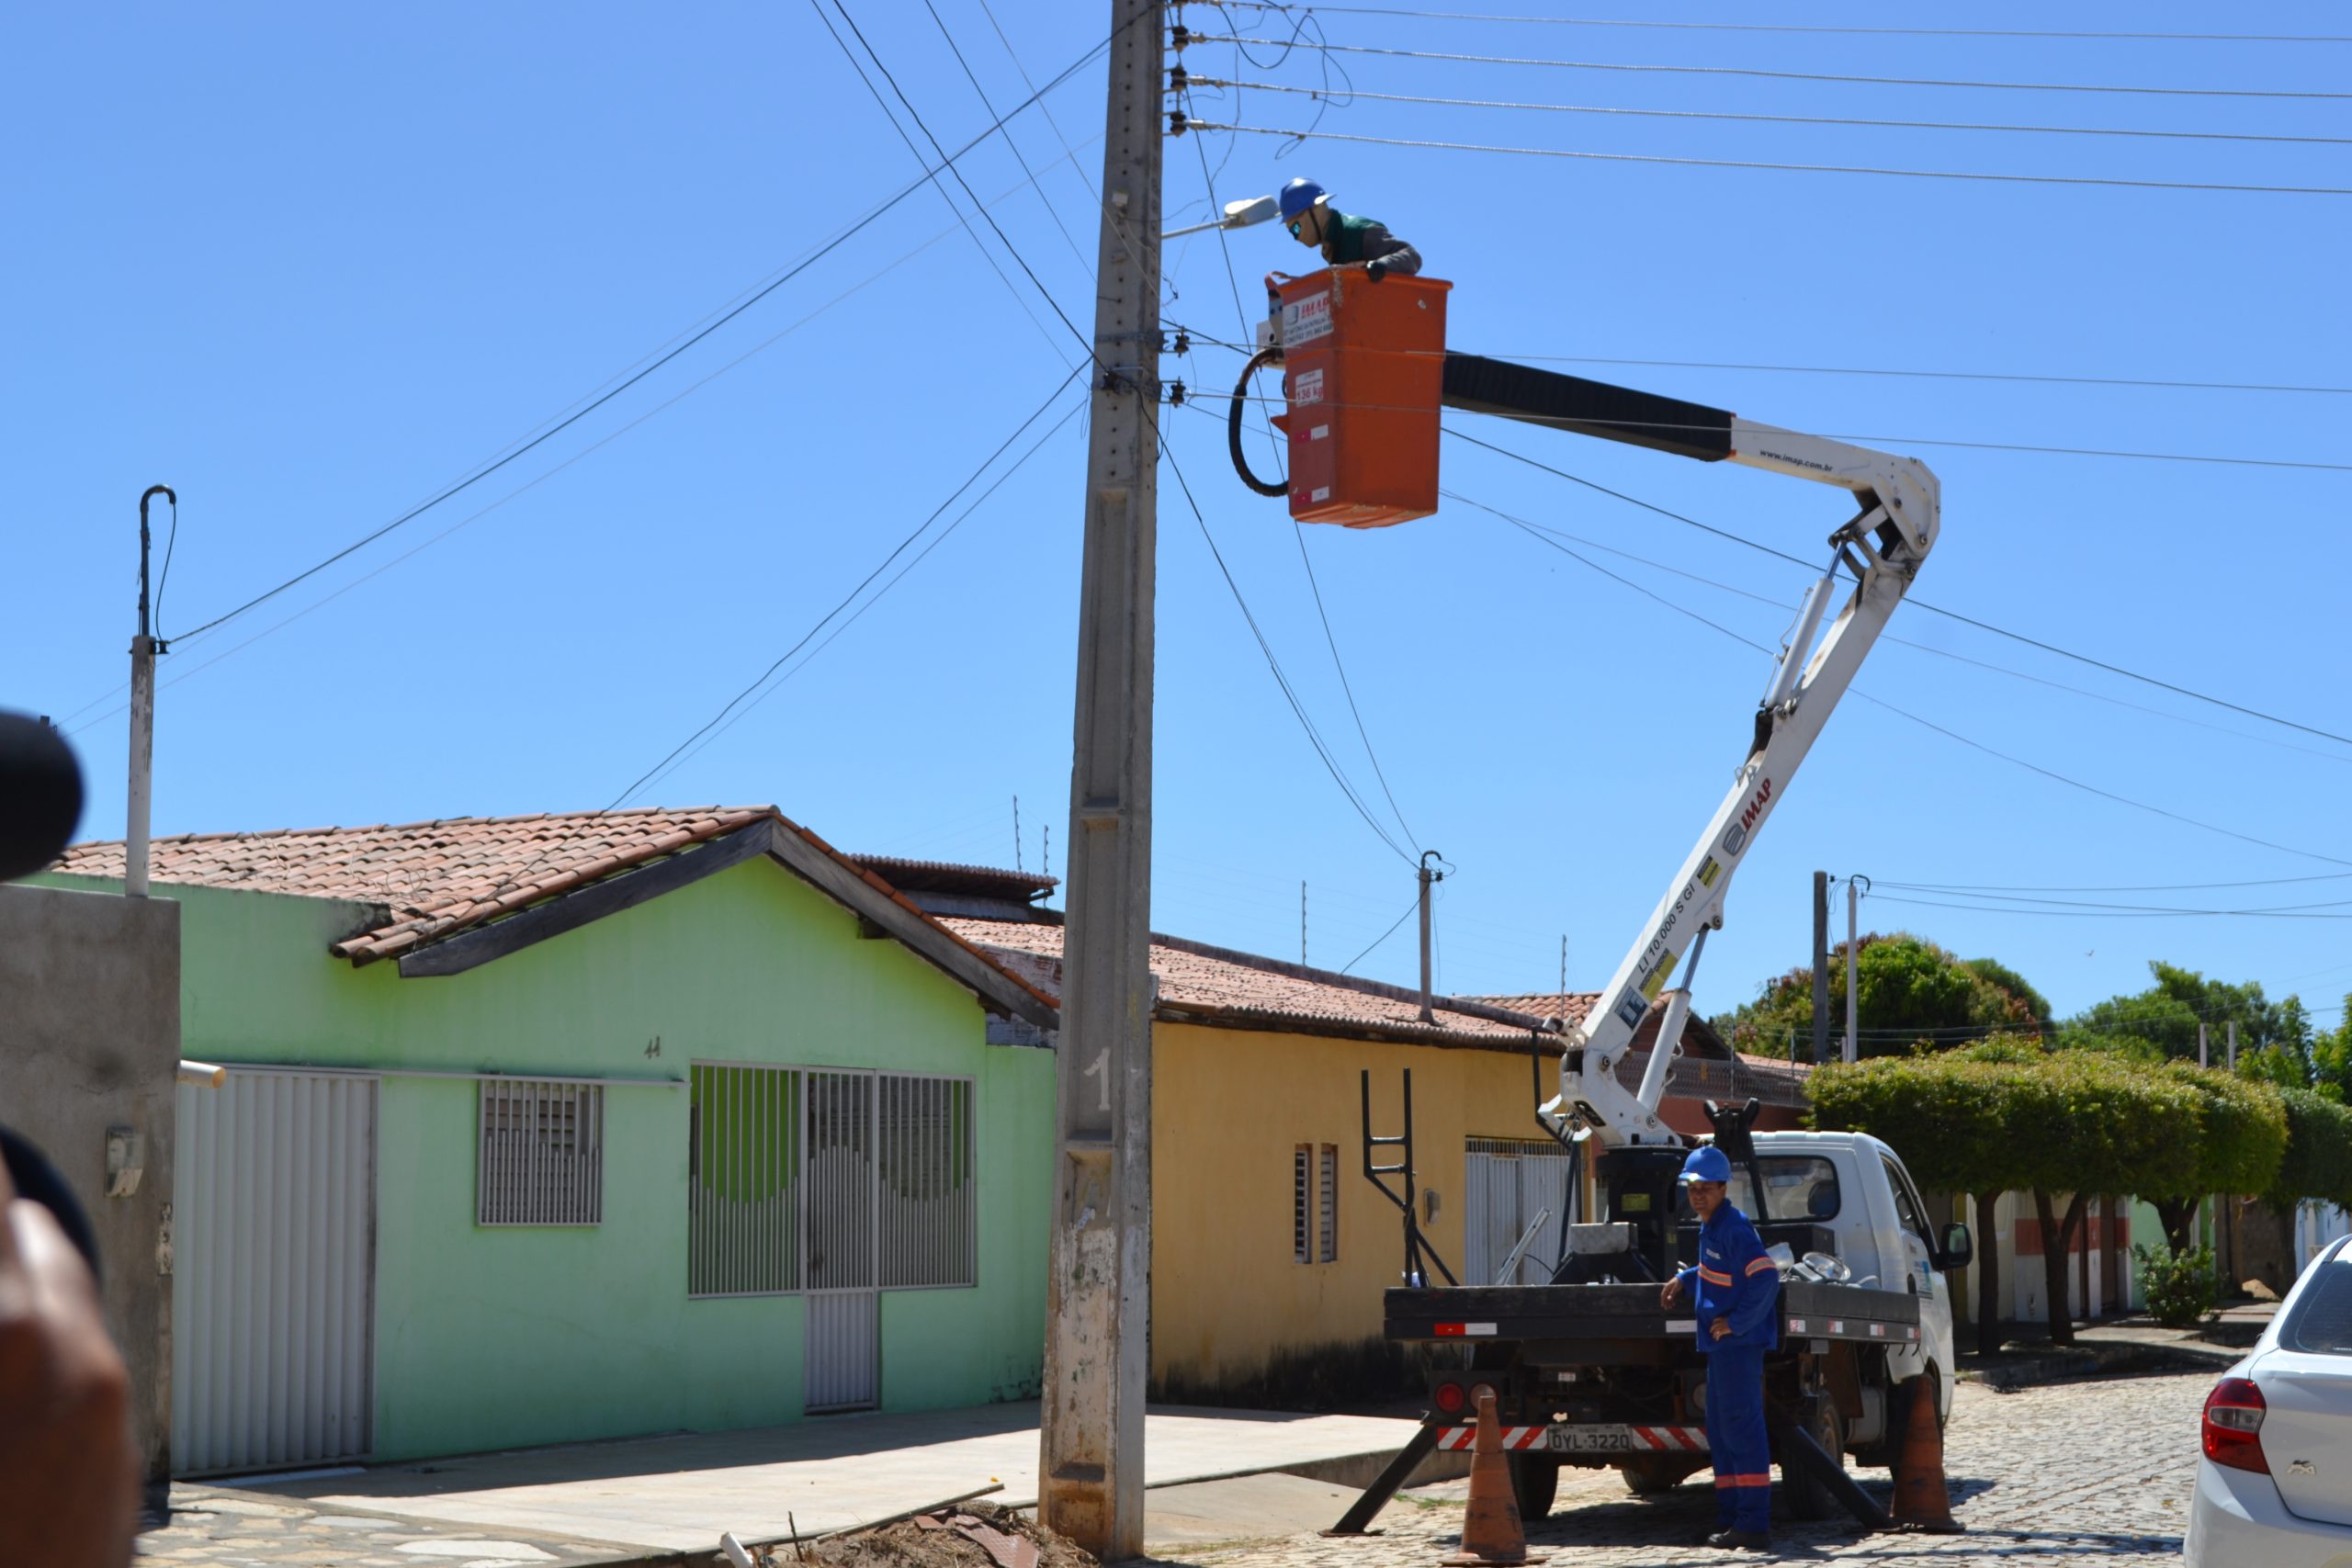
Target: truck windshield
(1796,1187)
(2321,1323)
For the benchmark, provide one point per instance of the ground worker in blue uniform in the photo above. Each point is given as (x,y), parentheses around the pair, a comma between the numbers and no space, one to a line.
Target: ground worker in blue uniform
(1345,240)
(1736,1288)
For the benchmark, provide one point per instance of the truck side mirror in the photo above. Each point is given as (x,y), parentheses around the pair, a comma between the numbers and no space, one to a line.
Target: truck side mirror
(1960,1248)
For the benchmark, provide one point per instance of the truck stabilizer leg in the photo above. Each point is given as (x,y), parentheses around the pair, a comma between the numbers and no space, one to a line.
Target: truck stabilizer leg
(1832,1476)
(1358,1518)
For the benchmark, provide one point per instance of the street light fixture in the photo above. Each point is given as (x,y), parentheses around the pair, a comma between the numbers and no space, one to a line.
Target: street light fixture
(1237,215)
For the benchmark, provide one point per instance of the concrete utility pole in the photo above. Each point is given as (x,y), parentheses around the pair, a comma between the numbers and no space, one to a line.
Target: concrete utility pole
(1853,994)
(1820,966)
(143,649)
(1427,877)
(1098,1292)
(2201,1050)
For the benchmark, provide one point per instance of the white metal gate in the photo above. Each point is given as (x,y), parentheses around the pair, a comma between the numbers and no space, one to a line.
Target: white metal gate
(842,1367)
(273,1280)
(1506,1185)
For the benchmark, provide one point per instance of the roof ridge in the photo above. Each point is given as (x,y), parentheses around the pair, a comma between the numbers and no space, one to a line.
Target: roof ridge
(687,812)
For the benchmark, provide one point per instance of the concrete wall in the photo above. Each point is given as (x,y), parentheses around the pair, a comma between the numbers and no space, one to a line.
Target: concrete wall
(1229,1107)
(490,1338)
(89,1042)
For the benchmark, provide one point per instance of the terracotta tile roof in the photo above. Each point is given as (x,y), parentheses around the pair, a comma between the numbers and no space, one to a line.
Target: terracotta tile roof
(430,879)
(435,877)
(1573,1007)
(1198,982)
(947,877)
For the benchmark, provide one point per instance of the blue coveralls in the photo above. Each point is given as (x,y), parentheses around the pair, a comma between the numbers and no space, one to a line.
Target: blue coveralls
(1736,1280)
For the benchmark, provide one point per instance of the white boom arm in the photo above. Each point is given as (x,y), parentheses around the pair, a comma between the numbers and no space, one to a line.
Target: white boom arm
(1883,545)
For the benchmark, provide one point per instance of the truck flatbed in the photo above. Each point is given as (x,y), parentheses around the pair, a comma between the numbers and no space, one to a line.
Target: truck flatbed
(1531,1314)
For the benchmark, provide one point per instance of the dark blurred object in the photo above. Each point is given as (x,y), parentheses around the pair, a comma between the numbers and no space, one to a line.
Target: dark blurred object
(36,1180)
(41,795)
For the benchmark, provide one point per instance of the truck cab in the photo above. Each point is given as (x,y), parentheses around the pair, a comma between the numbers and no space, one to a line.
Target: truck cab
(1856,1188)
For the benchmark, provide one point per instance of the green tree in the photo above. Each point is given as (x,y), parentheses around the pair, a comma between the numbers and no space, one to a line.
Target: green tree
(2004,1113)
(2331,1060)
(2168,1012)
(1947,1118)
(2318,1160)
(2243,1135)
(1911,991)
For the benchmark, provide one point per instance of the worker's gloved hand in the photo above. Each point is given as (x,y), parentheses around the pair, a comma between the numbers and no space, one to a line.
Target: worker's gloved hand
(1376,270)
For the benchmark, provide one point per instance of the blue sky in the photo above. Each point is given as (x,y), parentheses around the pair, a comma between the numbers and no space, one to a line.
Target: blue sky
(311,265)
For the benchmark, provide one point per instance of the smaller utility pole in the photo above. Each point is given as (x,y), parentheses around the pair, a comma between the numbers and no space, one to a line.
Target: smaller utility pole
(1853,1036)
(1820,966)
(143,649)
(1302,925)
(2233,1045)
(2201,1058)
(1427,877)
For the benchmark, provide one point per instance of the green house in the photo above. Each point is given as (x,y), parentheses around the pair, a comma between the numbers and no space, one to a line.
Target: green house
(549,1128)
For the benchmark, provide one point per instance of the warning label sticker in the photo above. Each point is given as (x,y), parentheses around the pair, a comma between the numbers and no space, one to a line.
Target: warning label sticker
(1306,320)
(1306,387)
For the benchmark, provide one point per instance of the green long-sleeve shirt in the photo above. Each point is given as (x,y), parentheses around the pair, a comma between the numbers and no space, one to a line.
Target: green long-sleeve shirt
(1349,239)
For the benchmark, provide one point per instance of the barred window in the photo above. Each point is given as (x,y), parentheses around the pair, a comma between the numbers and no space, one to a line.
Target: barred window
(540,1156)
(743,1155)
(1326,1230)
(1302,1202)
(927,1179)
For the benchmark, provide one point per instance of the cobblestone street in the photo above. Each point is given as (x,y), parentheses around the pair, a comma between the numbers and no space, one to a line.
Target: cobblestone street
(2093,1472)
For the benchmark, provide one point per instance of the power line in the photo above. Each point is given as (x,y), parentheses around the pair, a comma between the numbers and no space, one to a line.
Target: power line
(1934,375)
(1948,733)
(1933,609)
(1383,936)
(1576,426)
(1290,694)
(880,567)
(854,616)
(1785,75)
(1979,175)
(1346,688)
(1780,119)
(779,281)
(2117,914)
(986,255)
(1783,27)
(1225,244)
(2083,692)
(1085,343)
(1989,889)
(973,77)
(585,452)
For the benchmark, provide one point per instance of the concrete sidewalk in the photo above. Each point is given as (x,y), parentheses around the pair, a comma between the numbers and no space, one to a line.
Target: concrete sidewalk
(676,1493)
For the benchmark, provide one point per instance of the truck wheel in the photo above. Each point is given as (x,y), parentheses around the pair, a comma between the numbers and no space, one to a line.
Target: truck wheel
(1801,1496)
(1654,1474)
(1535,1483)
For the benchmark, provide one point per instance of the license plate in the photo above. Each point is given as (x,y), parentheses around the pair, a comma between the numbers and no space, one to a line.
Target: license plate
(1592,1438)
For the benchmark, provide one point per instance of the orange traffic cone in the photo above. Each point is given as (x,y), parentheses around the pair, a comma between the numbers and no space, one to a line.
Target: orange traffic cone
(1921,1501)
(1491,1532)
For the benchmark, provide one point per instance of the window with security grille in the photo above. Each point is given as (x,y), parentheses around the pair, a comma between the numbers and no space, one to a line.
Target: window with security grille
(925,1210)
(743,1159)
(540,1157)
(1302,1203)
(1327,1225)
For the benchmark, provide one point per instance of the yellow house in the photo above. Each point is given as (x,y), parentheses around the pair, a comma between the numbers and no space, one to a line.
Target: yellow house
(1270,1248)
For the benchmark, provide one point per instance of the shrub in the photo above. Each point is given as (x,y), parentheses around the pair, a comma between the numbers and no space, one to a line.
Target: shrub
(2178,1285)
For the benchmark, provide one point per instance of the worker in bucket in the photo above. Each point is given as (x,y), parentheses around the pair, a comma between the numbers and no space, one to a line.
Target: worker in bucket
(1735,1286)
(1344,240)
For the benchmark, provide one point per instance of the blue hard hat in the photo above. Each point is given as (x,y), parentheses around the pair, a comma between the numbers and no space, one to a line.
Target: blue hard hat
(1706,1163)
(1298,196)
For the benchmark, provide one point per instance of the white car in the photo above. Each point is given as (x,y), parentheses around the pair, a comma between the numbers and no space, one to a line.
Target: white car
(2274,1488)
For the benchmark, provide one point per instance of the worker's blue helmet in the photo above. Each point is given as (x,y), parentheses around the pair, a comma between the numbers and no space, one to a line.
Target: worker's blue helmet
(1706,1163)
(1298,196)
